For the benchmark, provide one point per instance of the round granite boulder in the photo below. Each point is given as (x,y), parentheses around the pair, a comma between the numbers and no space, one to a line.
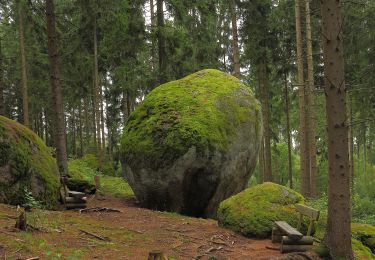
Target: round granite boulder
(192,143)
(26,165)
(253,211)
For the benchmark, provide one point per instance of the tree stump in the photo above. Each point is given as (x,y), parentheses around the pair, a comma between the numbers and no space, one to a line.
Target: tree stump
(21,223)
(97,182)
(157,255)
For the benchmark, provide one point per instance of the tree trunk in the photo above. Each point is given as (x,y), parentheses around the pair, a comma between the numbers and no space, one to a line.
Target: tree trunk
(311,102)
(102,119)
(266,121)
(59,125)
(236,53)
(87,125)
(338,232)
(2,105)
(74,138)
(80,129)
(261,162)
(304,156)
(161,41)
(21,33)
(286,95)
(153,25)
(97,100)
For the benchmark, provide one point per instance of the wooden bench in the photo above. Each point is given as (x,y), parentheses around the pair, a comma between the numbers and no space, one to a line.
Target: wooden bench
(72,199)
(292,240)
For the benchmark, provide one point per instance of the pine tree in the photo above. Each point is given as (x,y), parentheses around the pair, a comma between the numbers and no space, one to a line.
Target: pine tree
(338,232)
(59,125)
(304,156)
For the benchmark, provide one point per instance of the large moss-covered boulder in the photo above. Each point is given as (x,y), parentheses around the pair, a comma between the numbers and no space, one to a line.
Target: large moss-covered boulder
(253,211)
(192,143)
(26,165)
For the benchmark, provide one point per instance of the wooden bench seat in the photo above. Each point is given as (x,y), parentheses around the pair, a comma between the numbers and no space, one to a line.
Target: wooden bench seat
(292,240)
(288,230)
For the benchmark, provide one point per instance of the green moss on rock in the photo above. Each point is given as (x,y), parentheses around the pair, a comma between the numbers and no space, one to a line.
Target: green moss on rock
(366,234)
(26,163)
(203,110)
(253,211)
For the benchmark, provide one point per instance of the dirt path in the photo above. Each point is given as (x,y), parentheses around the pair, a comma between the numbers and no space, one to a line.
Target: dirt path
(132,234)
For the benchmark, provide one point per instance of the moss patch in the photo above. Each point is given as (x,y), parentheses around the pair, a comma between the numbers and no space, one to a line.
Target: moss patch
(203,110)
(253,211)
(366,234)
(79,169)
(26,163)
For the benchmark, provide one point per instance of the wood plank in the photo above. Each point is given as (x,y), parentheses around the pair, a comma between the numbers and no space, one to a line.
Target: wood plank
(289,230)
(306,240)
(308,211)
(277,235)
(76,194)
(295,248)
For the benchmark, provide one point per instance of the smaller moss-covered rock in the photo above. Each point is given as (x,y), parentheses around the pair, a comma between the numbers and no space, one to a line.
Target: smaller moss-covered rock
(366,234)
(253,211)
(361,251)
(26,164)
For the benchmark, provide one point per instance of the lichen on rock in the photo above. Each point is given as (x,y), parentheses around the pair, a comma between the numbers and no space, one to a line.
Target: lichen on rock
(26,163)
(192,143)
(253,211)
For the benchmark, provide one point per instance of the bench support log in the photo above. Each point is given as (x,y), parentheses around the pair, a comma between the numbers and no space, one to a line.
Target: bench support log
(306,240)
(295,248)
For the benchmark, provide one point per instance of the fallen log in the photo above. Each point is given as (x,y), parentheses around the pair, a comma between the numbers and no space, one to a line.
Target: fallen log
(94,235)
(99,209)
(76,194)
(306,240)
(295,248)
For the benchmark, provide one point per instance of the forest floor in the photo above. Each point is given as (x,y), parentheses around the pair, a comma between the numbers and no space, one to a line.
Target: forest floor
(129,234)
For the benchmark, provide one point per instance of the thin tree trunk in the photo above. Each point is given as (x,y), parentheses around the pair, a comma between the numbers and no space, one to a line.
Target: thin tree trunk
(311,103)
(59,130)
(351,142)
(102,119)
(261,162)
(286,96)
(2,105)
(97,99)
(80,128)
(161,41)
(74,137)
(338,232)
(87,125)
(153,25)
(21,33)
(124,107)
(266,122)
(304,156)
(236,53)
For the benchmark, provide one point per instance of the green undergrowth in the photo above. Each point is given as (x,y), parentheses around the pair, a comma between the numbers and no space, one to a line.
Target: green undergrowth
(202,110)
(363,235)
(30,161)
(82,169)
(253,211)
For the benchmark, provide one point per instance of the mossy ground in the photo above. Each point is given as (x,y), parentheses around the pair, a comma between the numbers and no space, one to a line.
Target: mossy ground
(29,156)
(202,110)
(253,211)
(363,236)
